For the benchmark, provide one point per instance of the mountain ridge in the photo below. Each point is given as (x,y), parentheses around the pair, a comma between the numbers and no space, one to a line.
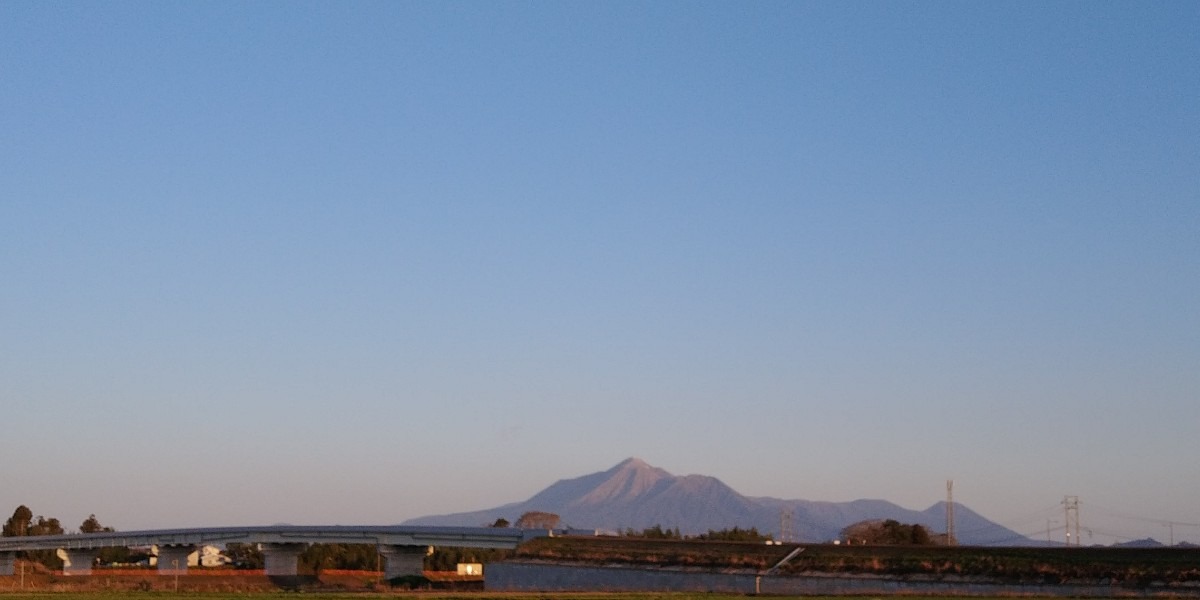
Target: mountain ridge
(635,495)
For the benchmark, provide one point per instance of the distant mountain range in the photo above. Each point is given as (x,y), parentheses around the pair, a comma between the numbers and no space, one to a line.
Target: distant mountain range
(636,495)
(1152,543)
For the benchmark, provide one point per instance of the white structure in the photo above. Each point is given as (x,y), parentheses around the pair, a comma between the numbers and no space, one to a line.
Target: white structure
(207,556)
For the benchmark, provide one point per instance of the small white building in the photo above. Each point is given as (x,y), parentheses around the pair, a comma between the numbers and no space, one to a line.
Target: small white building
(206,556)
(472,569)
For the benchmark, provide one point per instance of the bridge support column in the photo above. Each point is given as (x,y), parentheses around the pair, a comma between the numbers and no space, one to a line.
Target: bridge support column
(280,559)
(403,561)
(172,560)
(8,561)
(78,561)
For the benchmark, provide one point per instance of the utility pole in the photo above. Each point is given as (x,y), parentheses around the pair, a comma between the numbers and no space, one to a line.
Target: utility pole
(1071,507)
(950,540)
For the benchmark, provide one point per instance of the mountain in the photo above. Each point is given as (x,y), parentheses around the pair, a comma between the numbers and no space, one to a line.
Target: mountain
(636,495)
(1142,543)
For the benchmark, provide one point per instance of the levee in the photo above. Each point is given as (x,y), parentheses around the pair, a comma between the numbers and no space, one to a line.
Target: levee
(538,576)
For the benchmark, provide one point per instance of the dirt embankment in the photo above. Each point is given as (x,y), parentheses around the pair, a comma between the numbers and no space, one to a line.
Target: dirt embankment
(37,578)
(1117,566)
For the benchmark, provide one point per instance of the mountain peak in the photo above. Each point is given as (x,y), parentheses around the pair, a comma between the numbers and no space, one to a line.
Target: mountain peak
(624,482)
(631,463)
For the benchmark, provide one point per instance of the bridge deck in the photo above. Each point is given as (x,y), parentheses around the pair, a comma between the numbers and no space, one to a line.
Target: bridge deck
(382,535)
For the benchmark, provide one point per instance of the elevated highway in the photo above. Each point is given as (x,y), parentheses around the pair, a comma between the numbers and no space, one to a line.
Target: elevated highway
(404,547)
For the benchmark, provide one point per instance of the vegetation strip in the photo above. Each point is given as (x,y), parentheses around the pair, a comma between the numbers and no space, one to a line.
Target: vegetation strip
(425,596)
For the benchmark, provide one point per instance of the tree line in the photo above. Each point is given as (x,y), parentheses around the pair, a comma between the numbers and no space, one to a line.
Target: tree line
(885,532)
(732,534)
(24,523)
(314,559)
(888,532)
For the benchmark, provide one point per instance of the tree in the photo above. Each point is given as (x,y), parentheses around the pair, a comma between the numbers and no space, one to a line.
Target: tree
(23,523)
(107,556)
(655,533)
(447,559)
(500,523)
(538,520)
(44,526)
(890,532)
(920,536)
(350,557)
(244,556)
(92,525)
(736,534)
(18,524)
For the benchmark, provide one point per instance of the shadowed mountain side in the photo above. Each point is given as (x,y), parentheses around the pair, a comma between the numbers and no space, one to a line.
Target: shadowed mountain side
(636,495)
(972,528)
(622,484)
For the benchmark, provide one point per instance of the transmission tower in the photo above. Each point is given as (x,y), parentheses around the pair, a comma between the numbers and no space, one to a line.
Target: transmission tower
(785,525)
(950,541)
(1071,507)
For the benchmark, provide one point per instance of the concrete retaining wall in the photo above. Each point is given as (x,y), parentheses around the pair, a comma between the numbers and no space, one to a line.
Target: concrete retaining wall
(548,577)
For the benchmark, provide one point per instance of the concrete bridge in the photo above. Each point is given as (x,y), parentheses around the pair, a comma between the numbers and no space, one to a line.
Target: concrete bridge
(403,547)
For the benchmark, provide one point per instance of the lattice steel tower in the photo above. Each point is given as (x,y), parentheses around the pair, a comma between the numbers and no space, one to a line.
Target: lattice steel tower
(1071,506)
(785,525)
(950,540)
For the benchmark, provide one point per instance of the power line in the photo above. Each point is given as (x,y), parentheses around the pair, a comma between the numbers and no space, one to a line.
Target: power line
(1121,515)
(1015,525)
(1033,517)
(1047,525)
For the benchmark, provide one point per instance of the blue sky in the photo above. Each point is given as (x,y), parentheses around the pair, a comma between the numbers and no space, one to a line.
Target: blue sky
(361,262)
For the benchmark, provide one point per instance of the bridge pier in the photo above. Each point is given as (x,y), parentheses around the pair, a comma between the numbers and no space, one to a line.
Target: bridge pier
(280,559)
(173,560)
(403,561)
(8,561)
(78,561)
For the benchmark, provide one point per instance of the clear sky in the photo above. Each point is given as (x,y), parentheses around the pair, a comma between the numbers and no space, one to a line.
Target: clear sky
(357,262)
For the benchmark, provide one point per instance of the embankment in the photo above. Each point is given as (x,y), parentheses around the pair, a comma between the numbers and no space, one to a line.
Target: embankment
(531,576)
